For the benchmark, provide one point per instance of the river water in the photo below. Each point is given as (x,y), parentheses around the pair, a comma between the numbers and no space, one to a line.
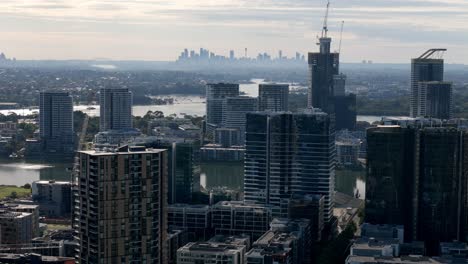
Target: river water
(188,104)
(18,172)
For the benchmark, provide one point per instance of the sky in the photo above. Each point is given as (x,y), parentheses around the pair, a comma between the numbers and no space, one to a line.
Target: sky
(385,31)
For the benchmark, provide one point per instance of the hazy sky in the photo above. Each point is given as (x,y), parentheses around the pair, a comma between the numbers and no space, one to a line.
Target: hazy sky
(378,30)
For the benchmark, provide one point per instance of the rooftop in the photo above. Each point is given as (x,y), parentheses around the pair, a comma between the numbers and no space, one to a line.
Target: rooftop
(121,151)
(211,247)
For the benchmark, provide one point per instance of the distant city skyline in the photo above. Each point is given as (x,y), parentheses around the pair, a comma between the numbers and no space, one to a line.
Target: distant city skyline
(380,31)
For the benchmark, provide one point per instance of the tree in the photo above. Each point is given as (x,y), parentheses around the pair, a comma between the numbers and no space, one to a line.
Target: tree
(13,195)
(27,186)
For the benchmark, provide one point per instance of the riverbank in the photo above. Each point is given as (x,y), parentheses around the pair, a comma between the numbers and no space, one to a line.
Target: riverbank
(14,191)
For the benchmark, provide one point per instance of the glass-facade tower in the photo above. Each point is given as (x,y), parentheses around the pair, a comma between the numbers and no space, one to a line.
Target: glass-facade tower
(289,154)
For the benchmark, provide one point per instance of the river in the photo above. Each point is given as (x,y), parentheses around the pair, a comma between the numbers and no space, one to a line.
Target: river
(16,172)
(230,175)
(183,104)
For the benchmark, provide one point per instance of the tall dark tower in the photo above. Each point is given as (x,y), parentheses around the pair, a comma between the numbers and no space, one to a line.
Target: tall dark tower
(322,67)
(326,84)
(430,96)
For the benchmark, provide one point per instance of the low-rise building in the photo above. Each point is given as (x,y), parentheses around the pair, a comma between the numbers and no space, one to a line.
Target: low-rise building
(373,247)
(193,219)
(215,152)
(25,207)
(176,238)
(454,249)
(383,232)
(393,260)
(8,129)
(15,227)
(53,197)
(232,240)
(211,252)
(236,218)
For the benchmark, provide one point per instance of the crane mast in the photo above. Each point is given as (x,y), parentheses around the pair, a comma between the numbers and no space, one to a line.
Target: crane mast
(325,22)
(341,36)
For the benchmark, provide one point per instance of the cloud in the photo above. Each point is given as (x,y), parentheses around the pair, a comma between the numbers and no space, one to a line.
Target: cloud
(260,24)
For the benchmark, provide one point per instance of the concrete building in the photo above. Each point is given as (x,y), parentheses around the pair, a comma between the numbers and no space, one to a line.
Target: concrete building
(214,152)
(228,137)
(53,197)
(290,154)
(286,242)
(115,109)
(242,240)
(15,227)
(183,165)
(8,129)
(121,206)
(429,67)
(210,252)
(176,239)
(235,110)
(215,95)
(437,99)
(392,260)
(56,123)
(195,220)
(273,97)
(34,259)
(310,207)
(383,232)
(236,218)
(32,209)
(347,152)
(372,247)
(454,249)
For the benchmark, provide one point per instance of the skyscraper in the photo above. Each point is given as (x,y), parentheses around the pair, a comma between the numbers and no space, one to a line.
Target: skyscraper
(441,177)
(183,167)
(416,177)
(345,111)
(438,99)
(428,67)
(323,66)
(389,180)
(120,206)
(327,85)
(56,122)
(215,95)
(116,109)
(289,154)
(235,110)
(273,97)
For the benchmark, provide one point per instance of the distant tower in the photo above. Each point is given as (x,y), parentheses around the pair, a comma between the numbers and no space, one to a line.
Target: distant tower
(235,110)
(327,85)
(56,122)
(231,55)
(427,72)
(273,97)
(215,96)
(115,109)
(322,67)
(280,54)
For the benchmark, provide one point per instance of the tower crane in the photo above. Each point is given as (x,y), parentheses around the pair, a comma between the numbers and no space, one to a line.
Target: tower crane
(325,21)
(341,36)
(325,24)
